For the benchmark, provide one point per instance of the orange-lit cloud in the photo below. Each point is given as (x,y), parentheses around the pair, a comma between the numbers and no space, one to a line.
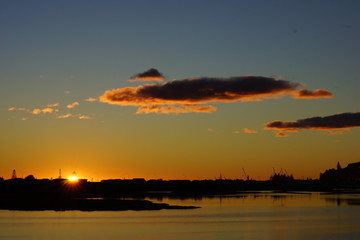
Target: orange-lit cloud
(53,105)
(91,99)
(65,116)
(37,111)
(281,134)
(174,109)
(69,115)
(246,130)
(339,121)
(72,105)
(84,117)
(16,109)
(307,94)
(202,91)
(338,132)
(150,75)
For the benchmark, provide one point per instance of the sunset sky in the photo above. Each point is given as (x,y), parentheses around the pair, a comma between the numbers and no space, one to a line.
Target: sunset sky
(178,89)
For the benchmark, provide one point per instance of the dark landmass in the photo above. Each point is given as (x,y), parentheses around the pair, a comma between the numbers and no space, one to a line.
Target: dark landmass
(129,194)
(64,204)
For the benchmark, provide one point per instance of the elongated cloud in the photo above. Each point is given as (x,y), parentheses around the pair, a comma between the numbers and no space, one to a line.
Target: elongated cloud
(318,93)
(246,130)
(203,90)
(72,105)
(91,99)
(37,111)
(16,109)
(83,117)
(65,116)
(69,115)
(54,105)
(175,110)
(150,75)
(338,121)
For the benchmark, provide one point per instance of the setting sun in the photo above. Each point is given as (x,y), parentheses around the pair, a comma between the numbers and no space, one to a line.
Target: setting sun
(73,179)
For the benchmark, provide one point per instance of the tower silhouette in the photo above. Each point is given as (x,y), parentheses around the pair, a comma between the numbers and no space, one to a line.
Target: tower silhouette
(13,174)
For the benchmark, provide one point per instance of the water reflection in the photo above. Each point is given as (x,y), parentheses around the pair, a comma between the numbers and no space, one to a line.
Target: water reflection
(265,198)
(343,200)
(250,215)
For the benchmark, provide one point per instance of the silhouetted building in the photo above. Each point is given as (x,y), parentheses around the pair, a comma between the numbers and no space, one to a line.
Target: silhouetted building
(349,174)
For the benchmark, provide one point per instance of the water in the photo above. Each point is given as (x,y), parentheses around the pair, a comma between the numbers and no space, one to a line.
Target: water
(246,216)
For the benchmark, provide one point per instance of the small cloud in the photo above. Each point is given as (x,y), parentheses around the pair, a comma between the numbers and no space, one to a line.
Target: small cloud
(72,105)
(150,75)
(53,105)
(65,116)
(338,132)
(91,99)
(24,119)
(281,134)
(37,111)
(67,92)
(307,94)
(210,129)
(16,109)
(237,132)
(246,130)
(84,117)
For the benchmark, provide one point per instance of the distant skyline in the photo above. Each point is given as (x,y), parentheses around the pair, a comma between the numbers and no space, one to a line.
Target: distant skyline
(178,89)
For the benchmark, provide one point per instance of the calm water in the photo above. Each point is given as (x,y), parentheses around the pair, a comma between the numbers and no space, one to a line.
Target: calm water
(247,216)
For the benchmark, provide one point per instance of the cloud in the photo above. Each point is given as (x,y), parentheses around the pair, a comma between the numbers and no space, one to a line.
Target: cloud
(202,90)
(84,117)
(318,93)
(281,134)
(69,115)
(16,109)
(246,130)
(343,121)
(65,116)
(150,75)
(53,105)
(37,111)
(175,110)
(72,105)
(91,99)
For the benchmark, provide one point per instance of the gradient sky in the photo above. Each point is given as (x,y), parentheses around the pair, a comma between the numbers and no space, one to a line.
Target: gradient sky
(57,53)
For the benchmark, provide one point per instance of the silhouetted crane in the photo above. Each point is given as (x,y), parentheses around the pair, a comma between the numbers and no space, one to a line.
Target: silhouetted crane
(247,176)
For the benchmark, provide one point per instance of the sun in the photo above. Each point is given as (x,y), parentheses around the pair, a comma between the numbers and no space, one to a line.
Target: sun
(73,179)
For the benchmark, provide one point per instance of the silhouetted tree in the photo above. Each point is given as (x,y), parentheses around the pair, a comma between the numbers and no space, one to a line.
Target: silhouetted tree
(30,177)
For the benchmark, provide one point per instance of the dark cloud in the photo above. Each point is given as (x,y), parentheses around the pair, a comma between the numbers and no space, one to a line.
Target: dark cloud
(318,93)
(338,121)
(202,91)
(150,75)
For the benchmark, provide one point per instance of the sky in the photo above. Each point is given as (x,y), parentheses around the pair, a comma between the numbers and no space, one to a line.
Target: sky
(170,89)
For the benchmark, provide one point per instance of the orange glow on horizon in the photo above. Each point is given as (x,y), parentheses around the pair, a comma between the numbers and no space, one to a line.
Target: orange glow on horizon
(73,179)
